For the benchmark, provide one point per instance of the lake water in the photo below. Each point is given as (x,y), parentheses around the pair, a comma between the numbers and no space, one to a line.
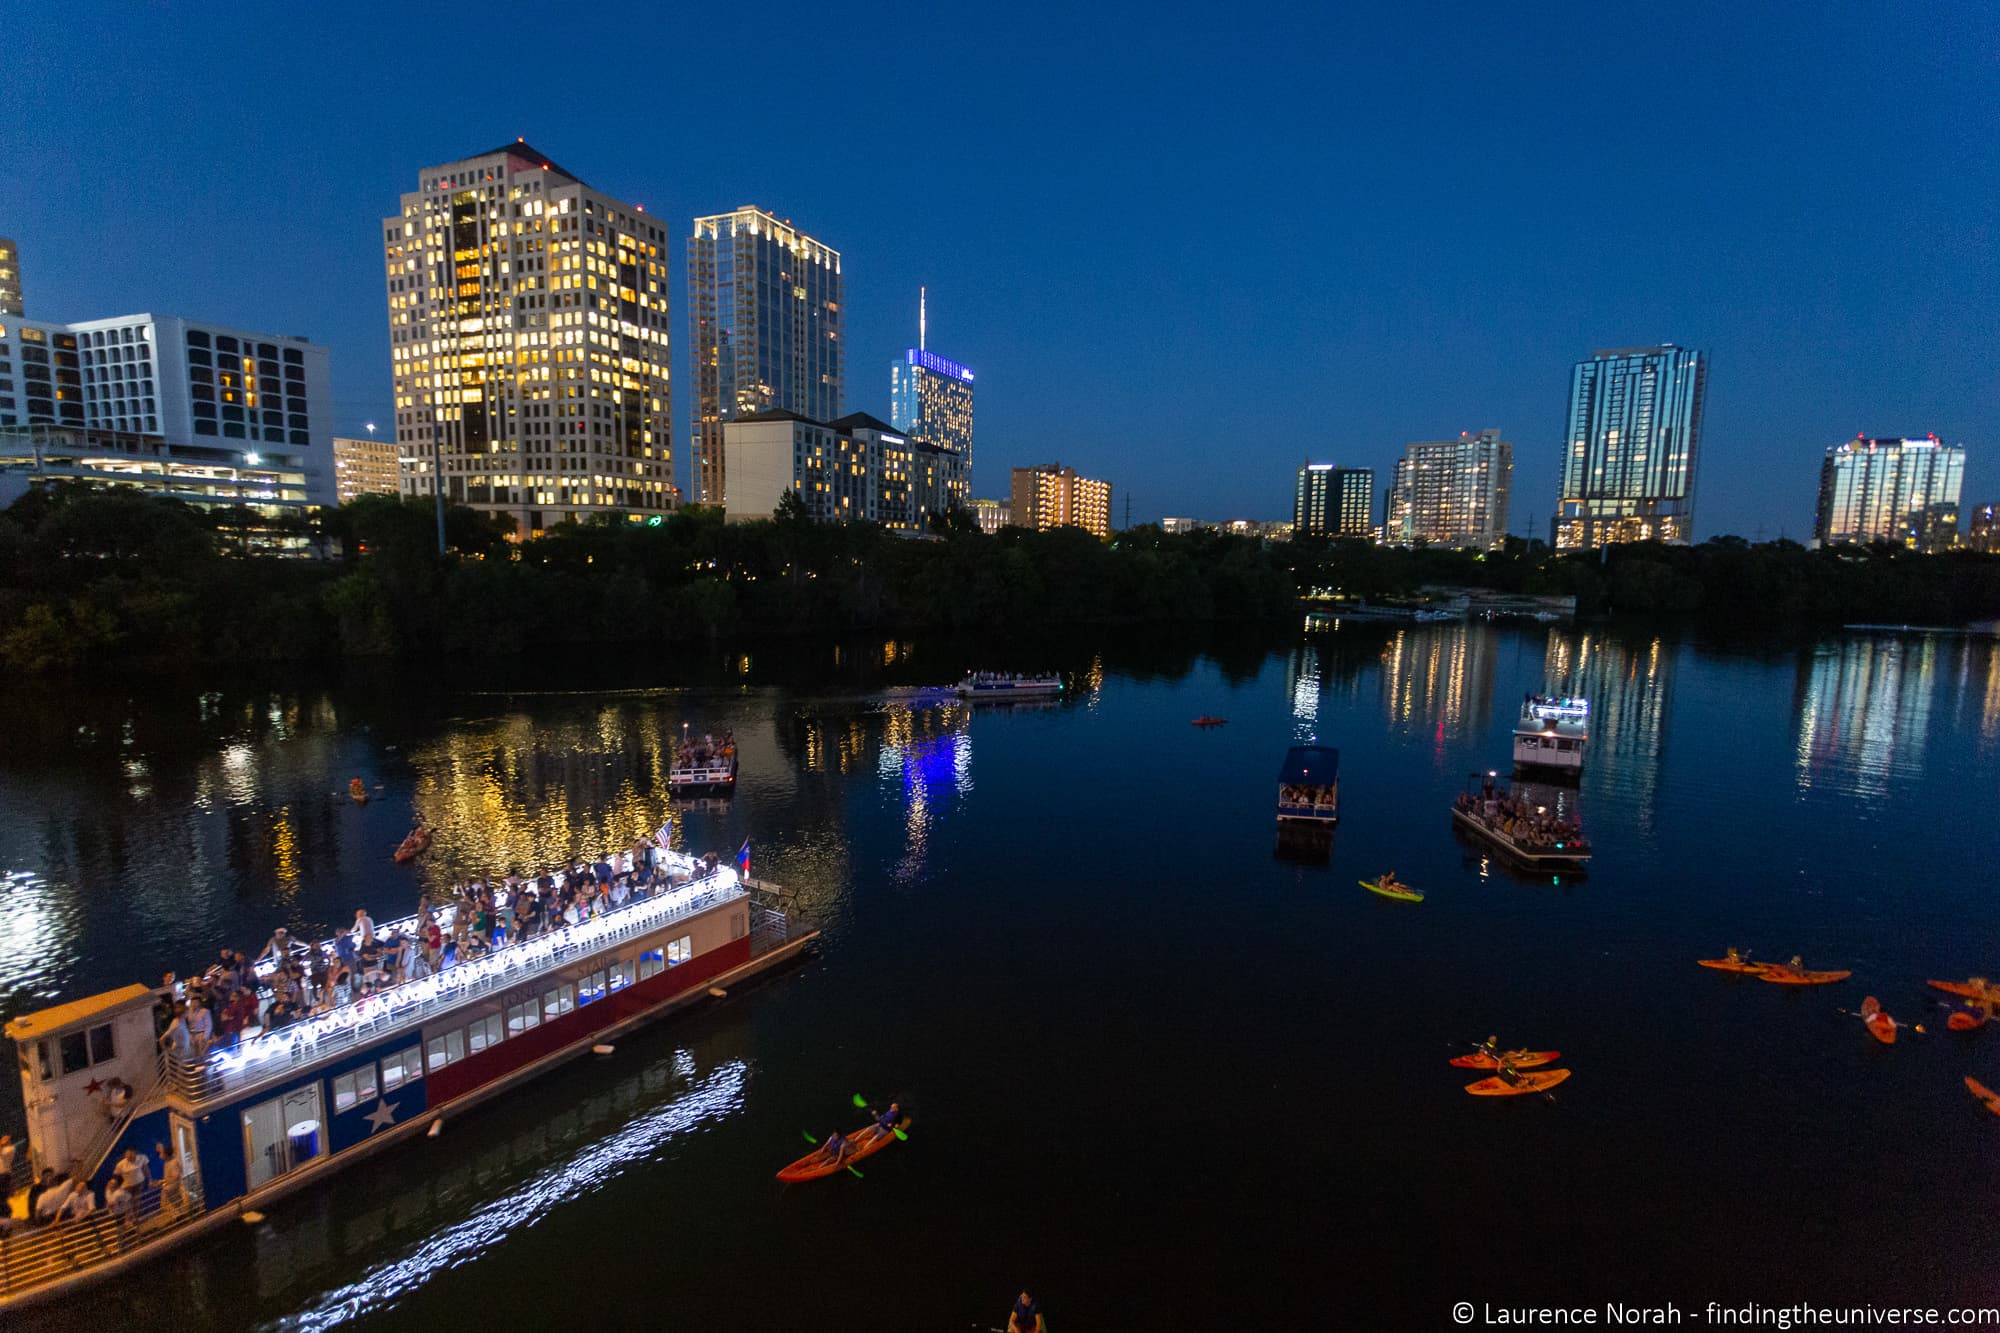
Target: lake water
(1167,1071)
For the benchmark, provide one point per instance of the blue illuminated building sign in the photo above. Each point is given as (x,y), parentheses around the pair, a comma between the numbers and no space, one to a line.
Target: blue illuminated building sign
(931,361)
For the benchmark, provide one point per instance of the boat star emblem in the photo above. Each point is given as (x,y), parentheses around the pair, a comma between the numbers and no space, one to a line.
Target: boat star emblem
(92,1087)
(382,1116)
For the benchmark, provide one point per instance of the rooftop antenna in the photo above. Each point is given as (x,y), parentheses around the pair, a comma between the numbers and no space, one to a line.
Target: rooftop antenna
(921,318)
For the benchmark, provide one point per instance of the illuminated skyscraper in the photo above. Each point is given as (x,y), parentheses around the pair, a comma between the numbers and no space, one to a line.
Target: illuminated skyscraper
(930,397)
(1629,452)
(1054,496)
(765,306)
(528,340)
(10,278)
(1452,492)
(1903,491)
(1334,501)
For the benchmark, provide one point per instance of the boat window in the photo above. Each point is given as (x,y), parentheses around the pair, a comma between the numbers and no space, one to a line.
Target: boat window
(560,1000)
(483,1033)
(680,950)
(355,1087)
(621,974)
(100,1044)
(521,1017)
(402,1067)
(75,1054)
(42,1056)
(591,988)
(446,1047)
(652,963)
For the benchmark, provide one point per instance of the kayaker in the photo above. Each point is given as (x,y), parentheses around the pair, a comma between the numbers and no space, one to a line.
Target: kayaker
(1734,955)
(1491,1046)
(1797,967)
(834,1150)
(1509,1075)
(1387,879)
(1025,1317)
(886,1122)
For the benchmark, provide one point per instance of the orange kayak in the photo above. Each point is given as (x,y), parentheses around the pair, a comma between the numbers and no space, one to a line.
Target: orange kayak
(414,846)
(1970,990)
(1964,1022)
(862,1143)
(1987,1097)
(1518,1059)
(1880,1026)
(1500,1087)
(1728,965)
(1781,975)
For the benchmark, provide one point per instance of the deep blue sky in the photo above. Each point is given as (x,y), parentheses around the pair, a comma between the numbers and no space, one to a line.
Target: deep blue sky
(1182,250)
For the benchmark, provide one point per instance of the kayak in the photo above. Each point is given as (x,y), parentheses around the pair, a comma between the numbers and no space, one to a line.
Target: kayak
(1206,721)
(1781,975)
(862,1143)
(1987,1097)
(1971,990)
(1728,965)
(414,846)
(1880,1026)
(1400,892)
(357,793)
(1500,1087)
(1518,1059)
(1964,1022)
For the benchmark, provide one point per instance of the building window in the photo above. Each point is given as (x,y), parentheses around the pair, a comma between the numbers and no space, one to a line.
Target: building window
(351,1089)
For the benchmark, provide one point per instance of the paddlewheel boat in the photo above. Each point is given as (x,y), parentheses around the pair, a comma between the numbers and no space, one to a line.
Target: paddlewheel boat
(1529,824)
(1309,785)
(1009,685)
(1551,735)
(281,1109)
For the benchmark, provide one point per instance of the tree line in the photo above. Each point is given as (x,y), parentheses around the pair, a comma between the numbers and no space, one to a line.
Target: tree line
(98,577)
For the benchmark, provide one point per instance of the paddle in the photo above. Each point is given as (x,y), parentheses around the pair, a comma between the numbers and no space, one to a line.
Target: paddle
(1917,1028)
(811,1139)
(862,1102)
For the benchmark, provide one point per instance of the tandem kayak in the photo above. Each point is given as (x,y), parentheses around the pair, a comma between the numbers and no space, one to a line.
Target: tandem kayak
(1733,965)
(862,1143)
(1500,1087)
(1987,1097)
(1400,892)
(1518,1059)
(1961,1021)
(1971,990)
(1779,974)
(414,846)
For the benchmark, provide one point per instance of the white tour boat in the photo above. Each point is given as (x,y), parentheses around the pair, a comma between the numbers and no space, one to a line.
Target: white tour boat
(1552,733)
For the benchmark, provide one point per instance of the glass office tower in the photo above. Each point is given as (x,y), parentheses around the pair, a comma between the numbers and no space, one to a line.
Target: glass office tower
(765,302)
(1903,491)
(1629,451)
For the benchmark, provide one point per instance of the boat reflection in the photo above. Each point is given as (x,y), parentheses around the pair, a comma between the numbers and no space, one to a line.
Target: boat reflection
(1864,711)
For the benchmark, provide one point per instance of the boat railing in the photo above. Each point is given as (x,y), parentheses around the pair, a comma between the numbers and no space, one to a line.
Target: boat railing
(32,1256)
(273,1055)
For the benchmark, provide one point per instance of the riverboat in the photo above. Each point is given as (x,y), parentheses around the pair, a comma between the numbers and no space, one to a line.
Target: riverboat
(1007,685)
(1533,828)
(1309,785)
(282,1109)
(707,765)
(1551,735)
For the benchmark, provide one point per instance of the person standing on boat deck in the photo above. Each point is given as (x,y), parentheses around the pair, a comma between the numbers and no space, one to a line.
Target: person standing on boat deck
(80,1202)
(364,925)
(133,1171)
(54,1194)
(278,947)
(119,1203)
(170,1179)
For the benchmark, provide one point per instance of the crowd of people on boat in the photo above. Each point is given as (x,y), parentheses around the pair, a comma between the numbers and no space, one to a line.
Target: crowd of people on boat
(235,997)
(1301,793)
(1530,827)
(132,1190)
(708,751)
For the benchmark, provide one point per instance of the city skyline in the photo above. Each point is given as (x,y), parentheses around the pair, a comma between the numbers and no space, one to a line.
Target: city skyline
(1861,320)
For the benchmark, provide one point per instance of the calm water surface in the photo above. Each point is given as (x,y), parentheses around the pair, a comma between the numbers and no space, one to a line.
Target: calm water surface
(1173,1074)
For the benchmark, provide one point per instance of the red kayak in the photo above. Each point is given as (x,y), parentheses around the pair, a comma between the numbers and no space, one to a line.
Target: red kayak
(1985,1095)
(862,1143)
(414,846)
(1880,1026)
(1964,1022)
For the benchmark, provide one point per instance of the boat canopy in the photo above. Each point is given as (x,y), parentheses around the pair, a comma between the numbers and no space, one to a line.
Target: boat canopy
(1317,765)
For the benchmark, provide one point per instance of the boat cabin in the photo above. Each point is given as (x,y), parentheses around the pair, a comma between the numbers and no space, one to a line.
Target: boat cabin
(1309,784)
(1552,734)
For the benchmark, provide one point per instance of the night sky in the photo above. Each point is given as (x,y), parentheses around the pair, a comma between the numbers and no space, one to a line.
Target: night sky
(1183,252)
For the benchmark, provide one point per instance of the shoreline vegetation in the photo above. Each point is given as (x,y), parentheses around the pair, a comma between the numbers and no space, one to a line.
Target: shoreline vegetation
(94,578)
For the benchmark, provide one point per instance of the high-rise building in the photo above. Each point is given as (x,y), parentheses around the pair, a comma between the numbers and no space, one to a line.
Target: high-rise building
(528,341)
(1334,501)
(930,397)
(202,412)
(1629,450)
(767,311)
(10,278)
(1452,492)
(1903,491)
(365,467)
(1054,496)
(855,469)
(1983,532)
